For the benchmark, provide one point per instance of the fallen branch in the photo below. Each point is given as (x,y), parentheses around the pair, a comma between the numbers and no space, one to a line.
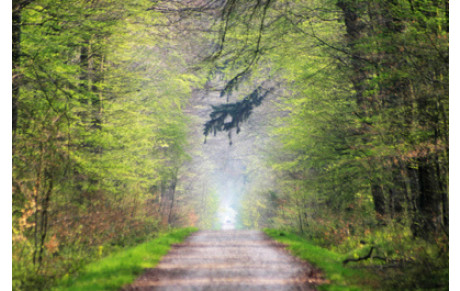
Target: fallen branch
(379,267)
(360,258)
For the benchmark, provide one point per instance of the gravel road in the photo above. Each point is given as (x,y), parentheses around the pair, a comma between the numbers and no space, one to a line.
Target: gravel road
(228,260)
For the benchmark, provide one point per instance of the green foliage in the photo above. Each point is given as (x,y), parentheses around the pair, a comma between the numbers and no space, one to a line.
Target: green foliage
(100,135)
(257,209)
(361,149)
(340,277)
(415,263)
(209,208)
(119,269)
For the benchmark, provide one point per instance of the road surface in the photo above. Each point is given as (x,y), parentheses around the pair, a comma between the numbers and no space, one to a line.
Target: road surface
(228,260)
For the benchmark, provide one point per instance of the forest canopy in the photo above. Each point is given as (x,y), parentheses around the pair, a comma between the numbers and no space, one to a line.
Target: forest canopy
(343,104)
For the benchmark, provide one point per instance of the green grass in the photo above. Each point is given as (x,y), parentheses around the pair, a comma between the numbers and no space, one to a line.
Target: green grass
(340,277)
(116,270)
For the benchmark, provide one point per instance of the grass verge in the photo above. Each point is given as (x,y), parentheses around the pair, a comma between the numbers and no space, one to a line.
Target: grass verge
(340,277)
(119,269)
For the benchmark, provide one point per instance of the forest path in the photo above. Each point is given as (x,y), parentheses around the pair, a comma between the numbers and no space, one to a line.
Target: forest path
(228,260)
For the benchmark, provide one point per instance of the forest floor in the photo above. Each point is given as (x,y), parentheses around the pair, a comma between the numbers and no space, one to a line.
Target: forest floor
(229,260)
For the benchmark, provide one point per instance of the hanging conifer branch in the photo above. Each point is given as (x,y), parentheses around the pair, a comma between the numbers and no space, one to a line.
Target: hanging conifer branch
(238,112)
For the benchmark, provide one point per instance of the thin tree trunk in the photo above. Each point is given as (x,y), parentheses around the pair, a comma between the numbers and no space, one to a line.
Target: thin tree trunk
(17,7)
(16,50)
(379,199)
(300,221)
(173,192)
(44,219)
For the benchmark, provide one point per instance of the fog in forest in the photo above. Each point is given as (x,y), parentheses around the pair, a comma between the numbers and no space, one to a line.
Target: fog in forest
(227,166)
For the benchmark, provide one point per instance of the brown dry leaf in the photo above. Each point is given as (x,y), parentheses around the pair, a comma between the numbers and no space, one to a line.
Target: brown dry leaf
(52,245)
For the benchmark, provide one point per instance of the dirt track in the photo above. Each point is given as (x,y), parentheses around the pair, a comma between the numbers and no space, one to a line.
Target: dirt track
(228,260)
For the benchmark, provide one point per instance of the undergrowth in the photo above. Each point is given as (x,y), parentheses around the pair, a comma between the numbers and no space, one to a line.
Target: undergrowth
(389,258)
(119,269)
(339,276)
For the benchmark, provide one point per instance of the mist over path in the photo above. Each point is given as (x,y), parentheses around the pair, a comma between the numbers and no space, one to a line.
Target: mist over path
(228,260)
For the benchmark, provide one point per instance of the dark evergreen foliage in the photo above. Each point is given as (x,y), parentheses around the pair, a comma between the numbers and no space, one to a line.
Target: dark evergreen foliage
(238,112)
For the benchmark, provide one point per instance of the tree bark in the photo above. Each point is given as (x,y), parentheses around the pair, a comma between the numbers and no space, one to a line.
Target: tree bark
(172,189)
(379,199)
(16,50)
(428,200)
(17,8)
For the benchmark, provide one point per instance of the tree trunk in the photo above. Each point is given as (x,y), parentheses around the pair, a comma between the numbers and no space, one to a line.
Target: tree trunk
(172,189)
(44,217)
(17,8)
(397,193)
(355,28)
(379,199)
(428,200)
(16,50)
